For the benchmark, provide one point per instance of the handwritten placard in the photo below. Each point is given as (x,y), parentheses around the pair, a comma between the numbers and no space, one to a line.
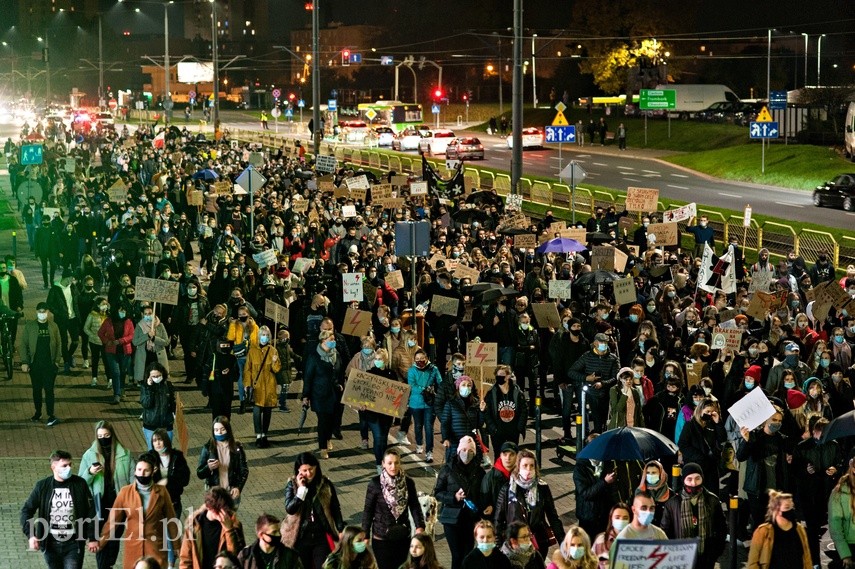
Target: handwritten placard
(358,194)
(642,199)
(300,206)
(195,198)
(302,264)
(443,305)
(546,314)
(418,188)
(157,290)
(266,258)
(224,187)
(326,184)
(360,181)
(395,279)
(603,258)
(666,233)
(560,289)
(348,211)
(356,322)
(752,410)
(324,163)
(351,287)
(514,202)
(376,393)
(557,227)
(390,203)
(482,354)
(577,234)
(726,337)
(655,553)
(695,372)
(525,241)
(118,194)
(341,192)
(624,290)
(461,272)
(276,312)
(684,213)
(381,191)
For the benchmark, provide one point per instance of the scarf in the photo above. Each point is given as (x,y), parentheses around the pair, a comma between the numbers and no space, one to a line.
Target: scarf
(630,409)
(394,492)
(528,487)
(517,557)
(704,521)
(147,328)
(329,357)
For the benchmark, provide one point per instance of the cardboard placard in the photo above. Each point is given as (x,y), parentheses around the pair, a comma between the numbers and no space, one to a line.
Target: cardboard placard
(195,198)
(266,258)
(395,279)
(516,221)
(224,187)
(351,287)
(695,372)
(482,354)
(401,181)
(325,163)
(181,424)
(360,181)
(369,292)
(381,191)
(642,199)
(514,202)
(684,213)
(624,290)
(603,258)
(621,259)
(326,184)
(761,280)
(461,272)
(376,393)
(525,241)
(726,338)
(443,305)
(157,290)
(557,227)
(302,264)
(276,312)
(577,234)
(434,258)
(418,188)
(70,165)
(348,211)
(358,194)
(118,195)
(560,289)
(390,203)
(625,223)
(341,192)
(666,233)
(300,206)
(546,314)
(356,322)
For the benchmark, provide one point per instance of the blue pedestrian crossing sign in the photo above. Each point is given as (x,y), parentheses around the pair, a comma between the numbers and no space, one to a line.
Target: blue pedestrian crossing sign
(763,130)
(289,113)
(332,105)
(301,103)
(560,133)
(434,109)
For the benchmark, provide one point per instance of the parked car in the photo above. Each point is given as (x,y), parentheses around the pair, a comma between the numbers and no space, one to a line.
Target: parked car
(407,139)
(717,112)
(435,142)
(465,148)
(839,192)
(532,137)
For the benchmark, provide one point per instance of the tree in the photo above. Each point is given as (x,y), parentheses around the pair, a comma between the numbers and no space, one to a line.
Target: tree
(833,100)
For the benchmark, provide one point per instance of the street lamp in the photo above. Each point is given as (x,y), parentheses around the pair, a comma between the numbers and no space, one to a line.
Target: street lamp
(533,73)
(819,60)
(806,36)
(215,111)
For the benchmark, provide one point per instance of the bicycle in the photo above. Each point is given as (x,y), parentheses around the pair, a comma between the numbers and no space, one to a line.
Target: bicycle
(7,350)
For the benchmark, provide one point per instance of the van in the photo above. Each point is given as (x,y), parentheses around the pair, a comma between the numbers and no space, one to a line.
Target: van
(693,98)
(849,133)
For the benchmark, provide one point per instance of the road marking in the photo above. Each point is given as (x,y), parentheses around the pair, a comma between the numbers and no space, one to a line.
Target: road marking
(651,171)
(584,155)
(789,204)
(652,175)
(679,175)
(499,146)
(630,179)
(627,168)
(599,164)
(729,195)
(678,187)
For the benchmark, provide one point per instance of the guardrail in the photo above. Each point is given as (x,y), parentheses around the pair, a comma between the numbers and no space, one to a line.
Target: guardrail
(777,237)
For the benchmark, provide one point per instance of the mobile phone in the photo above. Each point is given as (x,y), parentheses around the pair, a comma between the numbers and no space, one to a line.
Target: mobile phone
(210,460)
(96,464)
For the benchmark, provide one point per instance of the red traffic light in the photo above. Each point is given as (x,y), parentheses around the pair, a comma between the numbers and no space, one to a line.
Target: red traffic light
(308,6)
(291,96)
(465,97)
(345,53)
(437,94)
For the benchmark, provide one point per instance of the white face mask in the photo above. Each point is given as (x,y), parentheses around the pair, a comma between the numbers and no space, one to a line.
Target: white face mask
(41,316)
(157,379)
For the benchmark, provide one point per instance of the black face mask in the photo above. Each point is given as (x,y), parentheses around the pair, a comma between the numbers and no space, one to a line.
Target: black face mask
(105,442)
(693,490)
(144,480)
(789,515)
(501,379)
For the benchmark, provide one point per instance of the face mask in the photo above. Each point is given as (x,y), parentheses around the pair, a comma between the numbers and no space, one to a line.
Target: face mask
(524,546)
(486,547)
(524,327)
(263,339)
(221,438)
(794,304)
(749,385)
(501,379)
(157,379)
(693,490)
(41,316)
(379,364)
(466,456)
(753,352)
(802,324)
(122,314)
(645,518)
(825,362)
(148,317)
(791,360)
(836,378)
(566,325)
(576,552)
(651,307)
(243,318)
(703,224)
(143,480)
(619,524)
(789,515)
(396,329)
(602,348)
(652,479)
(633,318)
(331,344)
(838,339)
(774,427)
(789,384)
(464,390)
(359,546)
(105,441)
(814,394)
(103,308)
(65,472)
(192,290)
(671,294)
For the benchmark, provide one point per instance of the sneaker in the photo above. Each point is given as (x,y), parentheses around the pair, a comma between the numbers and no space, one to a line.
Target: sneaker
(402,438)
(94,382)
(85,364)
(429,456)
(419,449)
(329,444)
(110,384)
(36,418)
(364,444)
(116,400)
(52,421)
(325,454)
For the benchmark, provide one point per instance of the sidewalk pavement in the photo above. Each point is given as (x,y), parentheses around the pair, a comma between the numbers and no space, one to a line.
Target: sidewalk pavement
(25,448)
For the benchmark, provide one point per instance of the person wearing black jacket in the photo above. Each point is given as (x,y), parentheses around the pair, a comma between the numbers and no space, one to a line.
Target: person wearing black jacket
(157,397)
(461,416)
(567,346)
(188,315)
(390,500)
(498,476)
(378,423)
(58,515)
(212,468)
(701,440)
(597,370)
(443,326)
(593,496)
(458,489)
(527,357)
(211,328)
(506,412)
(173,471)
(268,552)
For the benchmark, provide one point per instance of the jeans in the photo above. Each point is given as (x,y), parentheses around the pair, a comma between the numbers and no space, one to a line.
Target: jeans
(424,418)
(380,432)
(147,433)
(241,362)
(96,352)
(63,554)
(31,235)
(117,370)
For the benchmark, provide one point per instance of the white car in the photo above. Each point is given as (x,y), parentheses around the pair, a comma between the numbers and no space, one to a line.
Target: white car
(532,137)
(352,131)
(105,119)
(384,135)
(436,142)
(408,139)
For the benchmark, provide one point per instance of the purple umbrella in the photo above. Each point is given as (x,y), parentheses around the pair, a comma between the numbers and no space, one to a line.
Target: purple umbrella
(561,245)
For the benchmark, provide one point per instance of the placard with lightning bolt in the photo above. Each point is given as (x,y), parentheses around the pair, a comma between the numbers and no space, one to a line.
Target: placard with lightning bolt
(655,554)
(482,354)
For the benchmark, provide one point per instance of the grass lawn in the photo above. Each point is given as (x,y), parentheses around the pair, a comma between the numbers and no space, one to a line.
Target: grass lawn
(7,215)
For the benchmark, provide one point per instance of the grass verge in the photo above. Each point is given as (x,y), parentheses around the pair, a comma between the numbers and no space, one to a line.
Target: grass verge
(8,220)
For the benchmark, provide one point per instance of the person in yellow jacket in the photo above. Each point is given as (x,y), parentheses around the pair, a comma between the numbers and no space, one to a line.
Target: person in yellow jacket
(781,541)
(262,365)
(243,332)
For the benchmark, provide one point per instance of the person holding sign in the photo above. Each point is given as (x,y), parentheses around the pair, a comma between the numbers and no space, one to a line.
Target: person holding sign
(780,541)
(379,423)
(702,233)
(150,342)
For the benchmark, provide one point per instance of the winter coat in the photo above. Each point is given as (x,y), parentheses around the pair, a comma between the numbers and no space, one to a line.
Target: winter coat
(283,558)
(402,360)
(590,362)
(762,542)
(563,353)
(618,407)
(242,333)
(753,452)
(58,305)
(93,324)
(158,403)
(107,334)
(714,544)
(262,365)
(191,556)
(527,348)
(444,392)
(452,477)
(181,315)
(321,383)
(813,489)
(419,380)
(177,477)
(509,420)
(841,521)
(378,519)
(592,493)
(702,445)
(321,508)
(238,467)
(539,516)
(30,340)
(144,533)
(161,341)
(123,467)
(494,480)
(460,418)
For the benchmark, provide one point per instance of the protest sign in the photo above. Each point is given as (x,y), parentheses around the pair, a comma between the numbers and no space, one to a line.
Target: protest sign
(341,192)
(760,305)
(157,290)
(390,203)
(400,181)
(621,259)
(463,272)
(266,258)
(325,164)
(436,257)
(557,227)
(752,410)
(642,199)
(181,424)
(654,554)
(348,211)
(224,187)
(395,279)
(356,322)
(375,393)
(358,194)
(118,194)
(300,206)
(625,223)
(725,337)
(684,213)
(514,202)
(369,292)
(70,164)
(603,258)
(276,312)
(302,264)
(381,191)
(525,241)
(326,183)
(624,290)
(482,354)
(357,182)
(666,233)
(761,280)
(577,234)
(195,198)
(695,372)
(546,314)
(559,289)
(418,188)
(351,287)
(443,305)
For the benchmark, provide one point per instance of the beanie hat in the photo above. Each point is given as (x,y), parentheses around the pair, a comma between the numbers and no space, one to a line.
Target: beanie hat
(740,319)
(754,372)
(461,379)
(466,443)
(795,398)
(692,468)
(624,370)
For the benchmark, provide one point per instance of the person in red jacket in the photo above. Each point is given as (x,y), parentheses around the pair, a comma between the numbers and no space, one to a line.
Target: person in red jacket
(116,334)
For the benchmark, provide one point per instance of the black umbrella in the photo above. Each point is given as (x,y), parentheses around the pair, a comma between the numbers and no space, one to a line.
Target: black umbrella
(479,288)
(303,415)
(840,427)
(513,231)
(484,197)
(597,277)
(495,294)
(469,215)
(629,443)
(597,238)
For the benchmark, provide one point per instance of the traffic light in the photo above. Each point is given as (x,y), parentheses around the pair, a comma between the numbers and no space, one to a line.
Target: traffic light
(291,96)
(437,94)
(345,57)
(465,97)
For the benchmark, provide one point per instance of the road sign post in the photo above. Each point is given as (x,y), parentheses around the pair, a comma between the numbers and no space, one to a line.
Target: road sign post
(249,180)
(657,99)
(576,174)
(763,128)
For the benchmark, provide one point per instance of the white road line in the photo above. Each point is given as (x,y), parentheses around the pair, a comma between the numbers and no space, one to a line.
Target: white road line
(729,195)
(651,171)
(652,175)
(584,155)
(789,204)
(628,168)
(678,187)
(630,179)
(599,164)
(679,175)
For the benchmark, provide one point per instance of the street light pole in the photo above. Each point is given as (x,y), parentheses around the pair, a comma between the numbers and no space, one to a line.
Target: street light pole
(47,70)
(167,107)
(215,114)
(101,101)
(501,105)
(818,60)
(806,58)
(533,74)
(316,80)
(517,99)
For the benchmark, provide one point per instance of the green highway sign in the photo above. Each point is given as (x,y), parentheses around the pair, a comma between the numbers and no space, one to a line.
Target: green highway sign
(652,99)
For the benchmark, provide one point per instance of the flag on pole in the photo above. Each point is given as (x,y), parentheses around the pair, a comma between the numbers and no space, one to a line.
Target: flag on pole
(440,188)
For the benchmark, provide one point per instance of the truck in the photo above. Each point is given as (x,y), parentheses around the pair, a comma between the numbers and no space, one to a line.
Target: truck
(849,133)
(692,98)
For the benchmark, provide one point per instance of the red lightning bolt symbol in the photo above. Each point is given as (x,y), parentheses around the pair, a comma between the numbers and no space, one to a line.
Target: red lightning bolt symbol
(397,402)
(659,557)
(357,317)
(478,353)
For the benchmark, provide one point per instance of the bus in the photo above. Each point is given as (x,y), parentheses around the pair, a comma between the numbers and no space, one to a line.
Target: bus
(394,114)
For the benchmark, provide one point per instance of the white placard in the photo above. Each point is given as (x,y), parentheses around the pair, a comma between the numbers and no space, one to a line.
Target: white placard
(266,258)
(348,211)
(418,188)
(681,213)
(357,183)
(326,164)
(559,289)
(514,202)
(352,287)
(752,410)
